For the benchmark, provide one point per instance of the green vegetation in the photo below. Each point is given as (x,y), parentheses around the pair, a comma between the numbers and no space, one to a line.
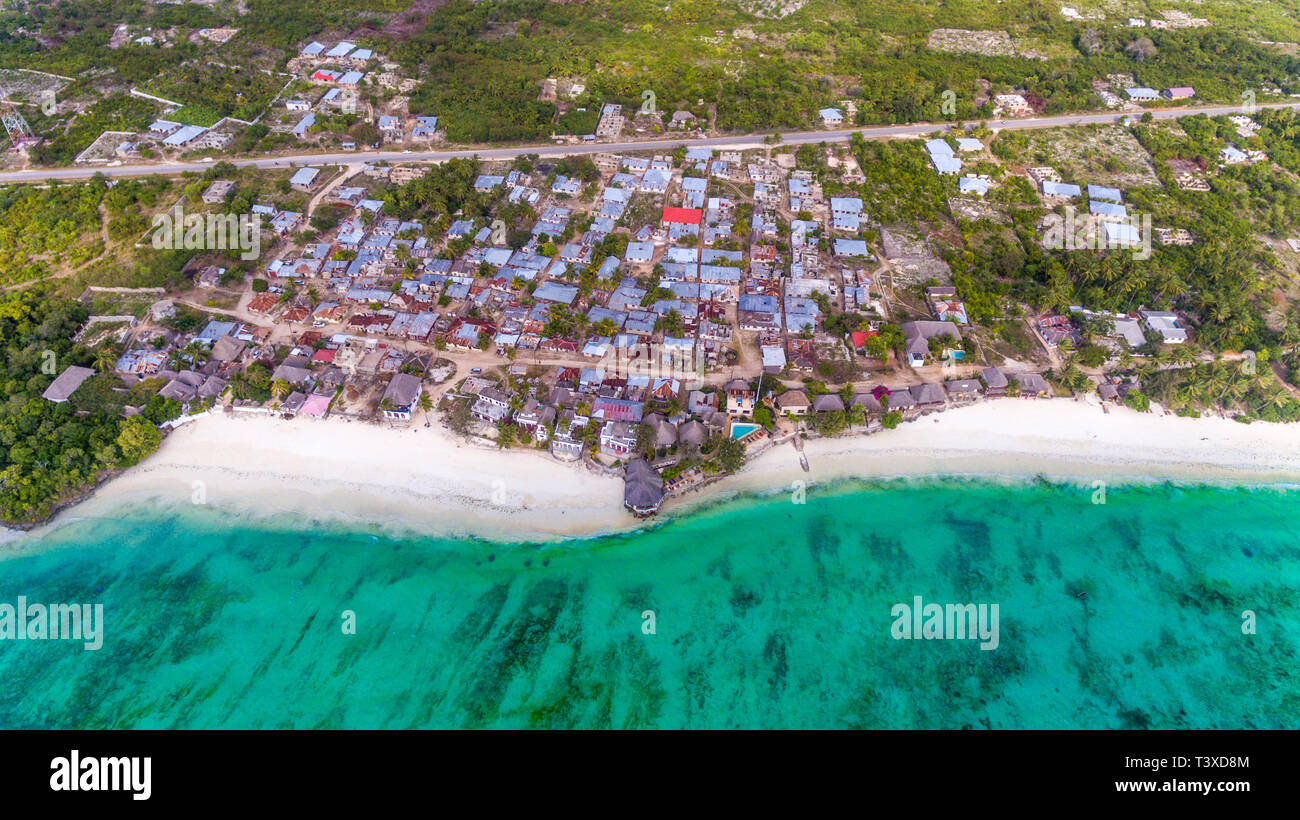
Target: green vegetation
(444,190)
(481,65)
(1226,282)
(211,91)
(50,453)
(486,61)
(1136,400)
(1224,386)
(901,184)
(60,229)
(579,122)
(118,112)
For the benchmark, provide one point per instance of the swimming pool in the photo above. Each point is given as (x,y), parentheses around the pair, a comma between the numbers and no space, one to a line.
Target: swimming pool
(740,429)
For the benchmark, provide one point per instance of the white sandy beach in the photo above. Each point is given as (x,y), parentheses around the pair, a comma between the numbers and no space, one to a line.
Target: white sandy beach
(423,479)
(409,478)
(1058,438)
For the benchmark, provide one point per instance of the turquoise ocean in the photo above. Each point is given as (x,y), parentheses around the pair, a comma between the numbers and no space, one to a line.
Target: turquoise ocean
(766,613)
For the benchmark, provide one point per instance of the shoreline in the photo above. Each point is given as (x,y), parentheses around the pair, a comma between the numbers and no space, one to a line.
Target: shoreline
(424,480)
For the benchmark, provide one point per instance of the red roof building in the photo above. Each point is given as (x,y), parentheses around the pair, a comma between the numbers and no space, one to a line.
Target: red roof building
(860,337)
(684,216)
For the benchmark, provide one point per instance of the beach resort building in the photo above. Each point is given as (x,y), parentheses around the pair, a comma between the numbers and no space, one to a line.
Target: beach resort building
(643,488)
(740,398)
(919,334)
(1166,324)
(400,397)
(617,439)
(793,402)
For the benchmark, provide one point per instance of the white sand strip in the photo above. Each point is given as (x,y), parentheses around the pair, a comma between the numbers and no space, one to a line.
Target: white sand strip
(422,479)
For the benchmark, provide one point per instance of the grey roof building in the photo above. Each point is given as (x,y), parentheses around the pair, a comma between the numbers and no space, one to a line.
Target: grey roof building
(227,349)
(1033,384)
(643,488)
(62,388)
(717,420)
(867,402)
(403,391)
(827,402)
(962,388)
(793,401)
(292,374)
(178,390)
(902,399)
(665,430)
(994,380)
(919,334)
(692,432)
(214,386)
(928,394)
(293,402)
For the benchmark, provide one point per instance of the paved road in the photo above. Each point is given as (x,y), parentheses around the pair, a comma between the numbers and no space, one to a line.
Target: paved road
(551,150)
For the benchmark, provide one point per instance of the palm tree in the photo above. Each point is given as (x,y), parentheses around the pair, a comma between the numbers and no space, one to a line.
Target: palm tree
(1277,397)
(197,353)
(1238,389)
(105,358)
(279,389)
(426,402)
(191,356)
(1186,354)
(1291,332)
(1218,380)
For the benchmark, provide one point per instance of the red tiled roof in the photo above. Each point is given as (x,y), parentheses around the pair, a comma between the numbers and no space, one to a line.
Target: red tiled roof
(685,216)
(263,302)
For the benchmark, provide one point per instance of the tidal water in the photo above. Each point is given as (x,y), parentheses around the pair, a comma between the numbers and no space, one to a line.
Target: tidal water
(753,612)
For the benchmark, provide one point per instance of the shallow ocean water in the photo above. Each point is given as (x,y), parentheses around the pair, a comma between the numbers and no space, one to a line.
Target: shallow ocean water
(766,613)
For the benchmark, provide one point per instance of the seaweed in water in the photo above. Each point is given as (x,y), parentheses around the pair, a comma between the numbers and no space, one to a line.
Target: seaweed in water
(774,652)
(743,599)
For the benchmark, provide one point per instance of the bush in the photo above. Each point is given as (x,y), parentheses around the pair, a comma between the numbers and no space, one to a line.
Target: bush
(1137,400)
(1091,355)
